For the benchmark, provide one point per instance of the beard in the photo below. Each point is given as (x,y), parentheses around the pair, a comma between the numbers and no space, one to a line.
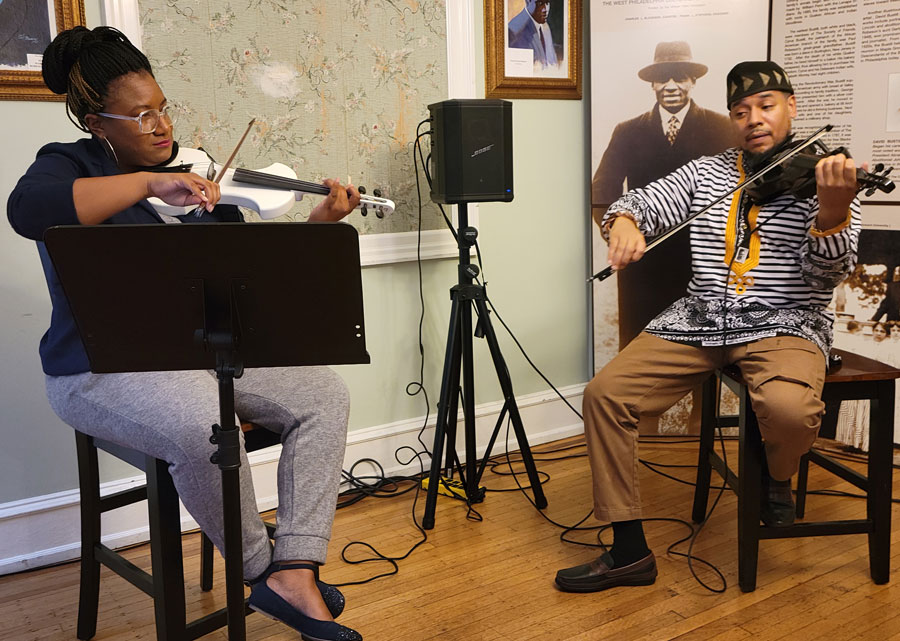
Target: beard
(758,160)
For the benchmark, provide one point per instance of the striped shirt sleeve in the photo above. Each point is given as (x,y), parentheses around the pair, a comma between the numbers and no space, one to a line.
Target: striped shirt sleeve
(828,257)
(659,206)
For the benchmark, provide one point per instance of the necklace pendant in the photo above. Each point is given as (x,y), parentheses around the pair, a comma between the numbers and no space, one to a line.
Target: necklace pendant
(741,283)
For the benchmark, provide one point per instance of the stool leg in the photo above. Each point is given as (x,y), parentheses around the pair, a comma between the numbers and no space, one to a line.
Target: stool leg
(206,563)
(802,480)
(89,483)
(708,422)
(165,552)
(750,456)
(878,502)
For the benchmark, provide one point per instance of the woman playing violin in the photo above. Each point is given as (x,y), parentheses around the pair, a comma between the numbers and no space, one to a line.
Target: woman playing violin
(111,93)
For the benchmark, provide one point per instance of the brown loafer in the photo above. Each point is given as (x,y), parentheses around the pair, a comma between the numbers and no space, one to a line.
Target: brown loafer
(599,574)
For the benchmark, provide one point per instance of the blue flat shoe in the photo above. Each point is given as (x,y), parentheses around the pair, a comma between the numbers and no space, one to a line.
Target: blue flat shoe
(267,602)
(333,598)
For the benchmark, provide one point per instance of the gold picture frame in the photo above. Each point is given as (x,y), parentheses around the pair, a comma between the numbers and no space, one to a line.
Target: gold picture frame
(29,84)
(531,67)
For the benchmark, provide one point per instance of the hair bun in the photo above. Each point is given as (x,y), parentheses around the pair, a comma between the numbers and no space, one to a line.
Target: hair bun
(68,47)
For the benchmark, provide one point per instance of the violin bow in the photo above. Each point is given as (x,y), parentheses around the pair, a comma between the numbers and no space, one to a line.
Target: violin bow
(227,164)
(606,273)
(199,209)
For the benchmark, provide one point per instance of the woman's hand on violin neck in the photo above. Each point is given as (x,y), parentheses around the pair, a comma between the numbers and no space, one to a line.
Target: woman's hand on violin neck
(339,202)
(182,189)
(836,188)
(626,243)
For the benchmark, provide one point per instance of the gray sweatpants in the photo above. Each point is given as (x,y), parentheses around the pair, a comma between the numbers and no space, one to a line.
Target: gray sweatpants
(169,415)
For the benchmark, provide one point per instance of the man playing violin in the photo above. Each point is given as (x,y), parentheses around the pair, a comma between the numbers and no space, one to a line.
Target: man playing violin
(111,94)
(763,275)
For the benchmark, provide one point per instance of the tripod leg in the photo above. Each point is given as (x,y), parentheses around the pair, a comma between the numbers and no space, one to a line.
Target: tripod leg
(448,388)
(468,374)
(506,385)
(451,457)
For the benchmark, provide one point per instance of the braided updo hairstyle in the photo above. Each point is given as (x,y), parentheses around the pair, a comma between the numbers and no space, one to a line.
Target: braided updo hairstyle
(82,62)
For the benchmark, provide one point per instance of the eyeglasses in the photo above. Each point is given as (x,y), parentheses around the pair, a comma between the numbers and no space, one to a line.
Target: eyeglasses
(149,120)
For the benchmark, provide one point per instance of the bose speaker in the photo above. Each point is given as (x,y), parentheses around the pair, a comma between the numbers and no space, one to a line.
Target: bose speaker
(471,151)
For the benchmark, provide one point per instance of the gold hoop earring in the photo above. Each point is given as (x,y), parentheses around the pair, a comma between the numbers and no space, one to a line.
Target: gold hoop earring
(110,151)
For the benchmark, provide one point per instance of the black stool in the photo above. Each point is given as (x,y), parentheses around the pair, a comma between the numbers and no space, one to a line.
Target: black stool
(166,583)
(857,378)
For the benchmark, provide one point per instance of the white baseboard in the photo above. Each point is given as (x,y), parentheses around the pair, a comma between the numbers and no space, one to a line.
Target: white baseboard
(43,530)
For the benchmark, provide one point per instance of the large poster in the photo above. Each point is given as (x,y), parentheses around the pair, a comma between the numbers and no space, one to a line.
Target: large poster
(842,57)
(658,101)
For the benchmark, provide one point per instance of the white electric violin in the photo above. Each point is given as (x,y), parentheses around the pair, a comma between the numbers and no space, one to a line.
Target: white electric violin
(270,191)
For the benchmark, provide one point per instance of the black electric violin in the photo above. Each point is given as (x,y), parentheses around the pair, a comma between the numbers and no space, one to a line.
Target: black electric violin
(793,170)
(797,174)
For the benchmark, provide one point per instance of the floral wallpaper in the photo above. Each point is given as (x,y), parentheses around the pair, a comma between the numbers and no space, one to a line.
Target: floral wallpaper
(337,88)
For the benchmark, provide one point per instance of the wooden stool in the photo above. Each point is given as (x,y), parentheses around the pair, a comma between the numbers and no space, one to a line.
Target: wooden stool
(857,378)
(166,583)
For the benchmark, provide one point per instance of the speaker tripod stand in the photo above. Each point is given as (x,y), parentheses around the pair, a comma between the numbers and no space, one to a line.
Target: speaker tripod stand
(458,358)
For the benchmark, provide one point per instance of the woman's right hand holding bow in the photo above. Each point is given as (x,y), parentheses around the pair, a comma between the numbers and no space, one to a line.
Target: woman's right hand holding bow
(99,198)
(183,189)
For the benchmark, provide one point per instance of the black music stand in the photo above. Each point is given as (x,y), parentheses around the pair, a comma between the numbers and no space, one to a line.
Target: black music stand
(214,296)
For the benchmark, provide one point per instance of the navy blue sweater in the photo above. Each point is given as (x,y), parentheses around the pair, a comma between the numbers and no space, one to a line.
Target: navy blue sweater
(43,199)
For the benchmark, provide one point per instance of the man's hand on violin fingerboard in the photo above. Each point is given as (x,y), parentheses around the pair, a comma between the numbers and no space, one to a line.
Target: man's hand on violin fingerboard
(836,188)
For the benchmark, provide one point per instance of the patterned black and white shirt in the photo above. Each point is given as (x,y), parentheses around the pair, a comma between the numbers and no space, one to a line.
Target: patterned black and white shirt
(778,282)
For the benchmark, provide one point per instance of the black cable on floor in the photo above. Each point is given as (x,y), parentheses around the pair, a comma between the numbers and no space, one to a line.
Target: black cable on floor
(602,528)
(378,556)
(378,485)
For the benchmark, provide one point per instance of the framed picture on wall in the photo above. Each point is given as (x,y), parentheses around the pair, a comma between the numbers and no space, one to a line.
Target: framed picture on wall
(26,28)
(532,48)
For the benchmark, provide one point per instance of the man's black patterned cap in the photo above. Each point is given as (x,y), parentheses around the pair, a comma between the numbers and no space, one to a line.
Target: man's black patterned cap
(755,76)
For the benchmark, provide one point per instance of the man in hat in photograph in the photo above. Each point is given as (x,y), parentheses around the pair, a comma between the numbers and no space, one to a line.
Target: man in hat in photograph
(645,148)
(674,131)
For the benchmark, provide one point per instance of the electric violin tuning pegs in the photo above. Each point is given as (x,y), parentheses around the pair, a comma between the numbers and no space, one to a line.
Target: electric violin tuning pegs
(379,212)
(364,210)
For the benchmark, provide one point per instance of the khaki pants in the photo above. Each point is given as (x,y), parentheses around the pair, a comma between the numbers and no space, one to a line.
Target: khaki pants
(785,375)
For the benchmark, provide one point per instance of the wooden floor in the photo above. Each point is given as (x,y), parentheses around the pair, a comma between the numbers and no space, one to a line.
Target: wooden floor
(494,579)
